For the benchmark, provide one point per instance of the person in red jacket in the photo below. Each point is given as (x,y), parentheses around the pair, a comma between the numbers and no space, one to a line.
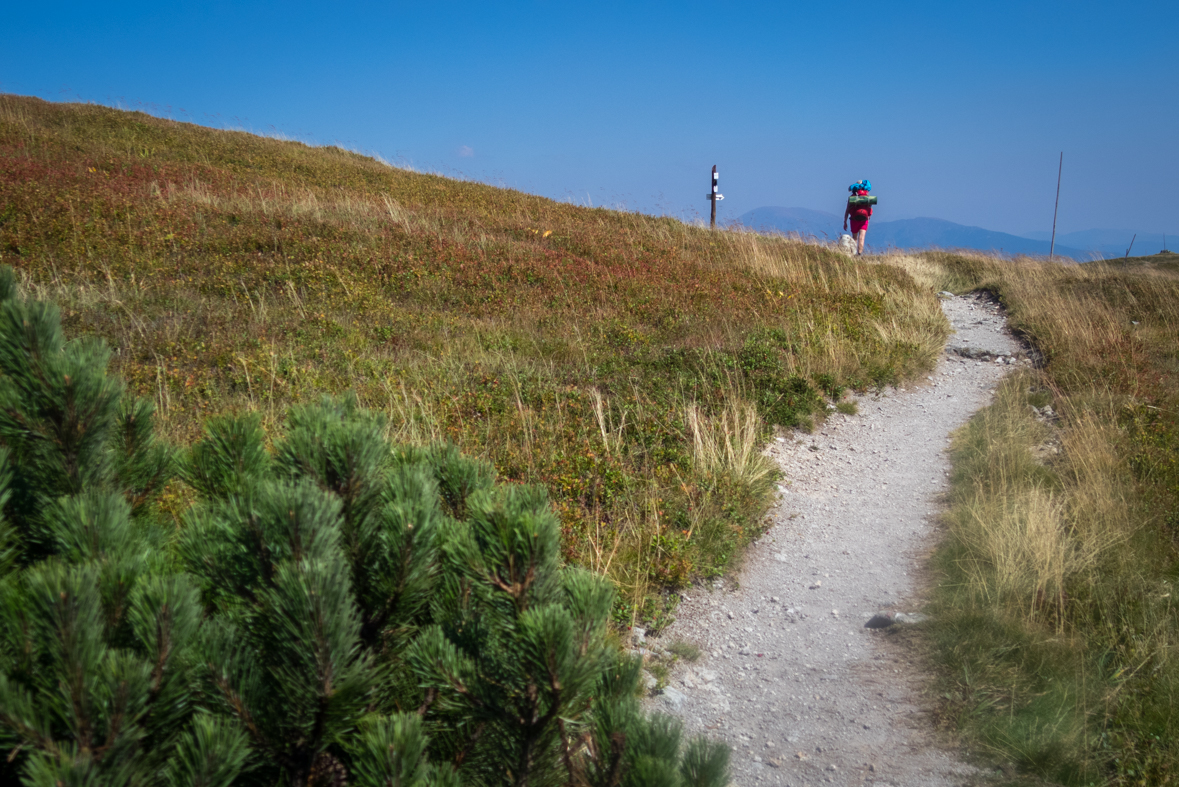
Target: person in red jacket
(858,214)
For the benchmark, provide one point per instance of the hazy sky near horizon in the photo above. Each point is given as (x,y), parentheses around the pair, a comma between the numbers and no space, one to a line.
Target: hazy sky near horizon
(953,110)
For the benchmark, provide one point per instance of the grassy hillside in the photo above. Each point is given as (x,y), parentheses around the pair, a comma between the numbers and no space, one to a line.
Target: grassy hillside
(1055,623)
(631,364)
(1165,262)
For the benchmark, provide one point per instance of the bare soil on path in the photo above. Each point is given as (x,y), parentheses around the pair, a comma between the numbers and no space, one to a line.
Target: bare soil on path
(789,675)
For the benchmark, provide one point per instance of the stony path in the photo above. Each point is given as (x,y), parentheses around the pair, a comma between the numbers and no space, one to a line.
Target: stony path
(789,675)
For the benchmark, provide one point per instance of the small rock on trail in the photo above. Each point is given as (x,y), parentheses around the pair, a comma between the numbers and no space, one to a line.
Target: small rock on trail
(797,684)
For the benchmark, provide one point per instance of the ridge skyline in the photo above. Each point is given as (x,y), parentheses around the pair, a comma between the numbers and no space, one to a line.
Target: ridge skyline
(931,231)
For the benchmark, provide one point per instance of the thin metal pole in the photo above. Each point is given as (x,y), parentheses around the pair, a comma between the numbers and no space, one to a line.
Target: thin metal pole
(712,222)
(1131,245)
(1052,248)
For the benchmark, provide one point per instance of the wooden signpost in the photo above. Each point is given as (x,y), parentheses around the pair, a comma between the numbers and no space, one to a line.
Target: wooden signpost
(714,197)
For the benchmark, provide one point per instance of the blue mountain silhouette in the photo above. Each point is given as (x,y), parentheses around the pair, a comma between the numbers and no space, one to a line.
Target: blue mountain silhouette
(904,233)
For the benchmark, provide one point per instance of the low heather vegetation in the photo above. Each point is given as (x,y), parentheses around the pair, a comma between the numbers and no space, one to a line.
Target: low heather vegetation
(630,365)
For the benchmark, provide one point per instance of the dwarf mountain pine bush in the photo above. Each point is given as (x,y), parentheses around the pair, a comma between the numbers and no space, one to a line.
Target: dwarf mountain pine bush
(333,610)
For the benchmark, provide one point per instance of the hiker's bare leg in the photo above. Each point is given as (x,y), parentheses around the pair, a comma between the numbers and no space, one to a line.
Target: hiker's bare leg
(860,239)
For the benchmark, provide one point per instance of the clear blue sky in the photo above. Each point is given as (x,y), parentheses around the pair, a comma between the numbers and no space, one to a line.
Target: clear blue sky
(953,110)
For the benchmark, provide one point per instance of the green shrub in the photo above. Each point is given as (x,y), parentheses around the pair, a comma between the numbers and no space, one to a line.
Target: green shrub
(334,609)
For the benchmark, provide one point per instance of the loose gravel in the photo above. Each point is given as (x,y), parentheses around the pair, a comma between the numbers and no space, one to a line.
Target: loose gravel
(790,674)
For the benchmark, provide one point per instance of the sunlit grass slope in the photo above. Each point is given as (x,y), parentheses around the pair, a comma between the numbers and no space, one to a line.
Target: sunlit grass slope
(1163,262)
(1056,622)
(631,364)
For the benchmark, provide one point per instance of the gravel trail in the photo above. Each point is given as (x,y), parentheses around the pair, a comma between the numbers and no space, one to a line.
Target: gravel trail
(789,675)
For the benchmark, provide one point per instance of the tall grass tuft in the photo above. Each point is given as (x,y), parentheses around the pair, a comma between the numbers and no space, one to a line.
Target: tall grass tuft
(730,443)
(1024,536)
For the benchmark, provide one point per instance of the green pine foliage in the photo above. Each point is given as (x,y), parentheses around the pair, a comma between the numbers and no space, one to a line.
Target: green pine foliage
(63,422)
(333,609)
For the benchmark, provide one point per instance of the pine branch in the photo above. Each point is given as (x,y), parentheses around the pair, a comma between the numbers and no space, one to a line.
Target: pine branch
(75,688)
(462,755)
(116,721)
(617,749)
(516,590)
(565,755)
(28,733)
(431,696)
(238,706)
(163,636)
(149,487)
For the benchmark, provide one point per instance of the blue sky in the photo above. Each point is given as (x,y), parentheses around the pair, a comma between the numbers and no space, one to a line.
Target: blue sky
(953,110)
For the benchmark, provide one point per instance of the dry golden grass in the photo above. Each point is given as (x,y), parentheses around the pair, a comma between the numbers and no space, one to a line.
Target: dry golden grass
(1055,627)
(779,265)
(729,443)
(1024,537)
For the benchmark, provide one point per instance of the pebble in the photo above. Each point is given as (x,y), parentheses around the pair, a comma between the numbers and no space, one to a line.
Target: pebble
(674,698)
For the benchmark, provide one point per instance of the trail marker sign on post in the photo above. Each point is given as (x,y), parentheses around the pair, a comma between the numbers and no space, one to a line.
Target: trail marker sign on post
(714,197)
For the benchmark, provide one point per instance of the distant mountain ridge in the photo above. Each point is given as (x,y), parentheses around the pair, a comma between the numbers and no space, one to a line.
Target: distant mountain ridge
(913,233)
(923,232)
(1114,242)
(804,221)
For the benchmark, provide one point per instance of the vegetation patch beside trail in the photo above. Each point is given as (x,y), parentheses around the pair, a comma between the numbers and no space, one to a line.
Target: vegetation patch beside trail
(1055,622)
(1163,261)
(631,365)
(338,610)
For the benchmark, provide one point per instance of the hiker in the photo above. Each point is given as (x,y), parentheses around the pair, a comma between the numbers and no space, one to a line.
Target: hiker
(859,213)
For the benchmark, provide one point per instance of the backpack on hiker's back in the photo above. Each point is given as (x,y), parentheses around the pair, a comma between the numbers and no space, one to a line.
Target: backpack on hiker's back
(859,199)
